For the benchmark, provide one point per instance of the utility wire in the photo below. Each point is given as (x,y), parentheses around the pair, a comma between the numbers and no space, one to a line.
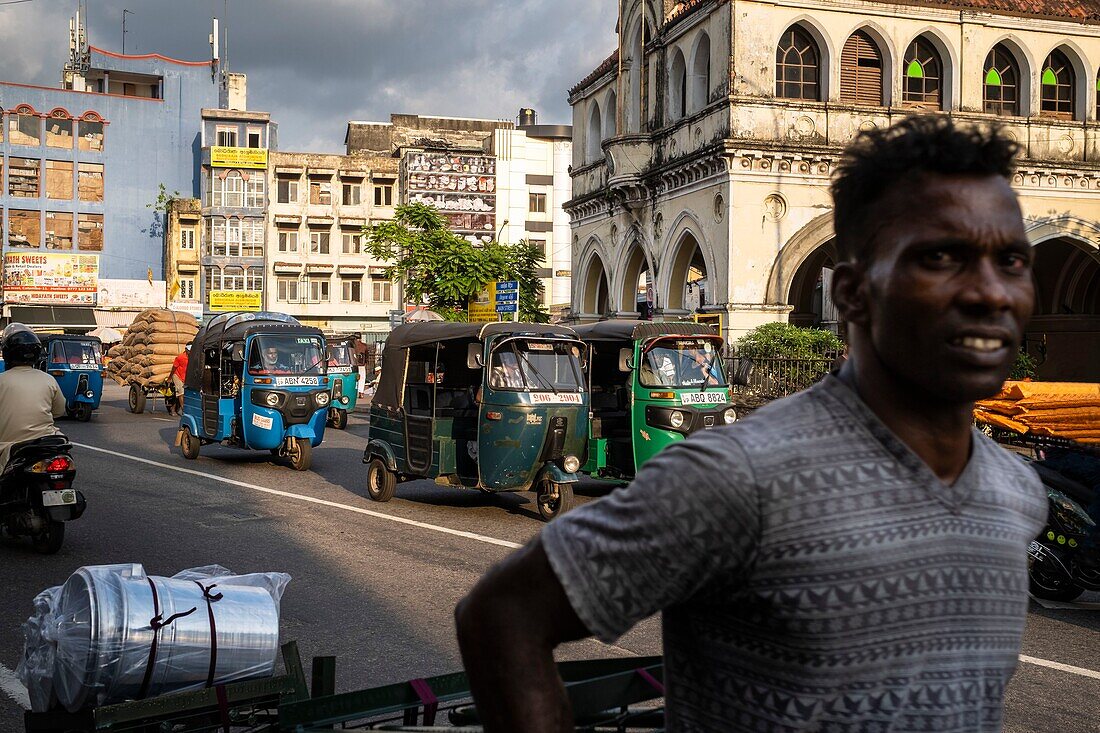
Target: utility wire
(14,2)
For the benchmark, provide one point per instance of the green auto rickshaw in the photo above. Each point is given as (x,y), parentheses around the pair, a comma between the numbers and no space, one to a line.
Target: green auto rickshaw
(345,381)
(494,407)
(651,384)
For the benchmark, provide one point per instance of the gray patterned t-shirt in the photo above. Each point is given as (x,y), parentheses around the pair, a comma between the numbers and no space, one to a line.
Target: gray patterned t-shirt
(814,573)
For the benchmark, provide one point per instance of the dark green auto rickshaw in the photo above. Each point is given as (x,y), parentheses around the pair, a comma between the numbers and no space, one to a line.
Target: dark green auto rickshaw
(651,384)
(493,407)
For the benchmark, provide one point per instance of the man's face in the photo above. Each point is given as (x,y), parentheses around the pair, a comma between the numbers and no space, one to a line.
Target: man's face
(948,287)
(271,355)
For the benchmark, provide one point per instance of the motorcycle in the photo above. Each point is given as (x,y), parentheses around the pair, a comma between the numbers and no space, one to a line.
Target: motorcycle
(37,496)
(1053,567)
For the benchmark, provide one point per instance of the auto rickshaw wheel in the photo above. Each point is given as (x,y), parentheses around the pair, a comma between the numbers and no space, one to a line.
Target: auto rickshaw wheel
(300,454)
(189,444)
(553,499)
(49,540)
(381,484)
(137,399)
(339,419)
(82,411)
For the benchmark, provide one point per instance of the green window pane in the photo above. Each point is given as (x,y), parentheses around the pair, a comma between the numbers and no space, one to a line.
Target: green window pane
(1049,77)
(914,70)
(1098,84)
(992,78)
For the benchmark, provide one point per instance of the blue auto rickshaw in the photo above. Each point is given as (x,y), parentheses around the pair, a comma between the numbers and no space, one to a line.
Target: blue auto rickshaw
(76,362)
(345,382)
(256,381)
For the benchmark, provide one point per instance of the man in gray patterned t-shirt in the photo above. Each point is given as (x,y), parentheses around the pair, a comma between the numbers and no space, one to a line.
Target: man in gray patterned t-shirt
(852,558)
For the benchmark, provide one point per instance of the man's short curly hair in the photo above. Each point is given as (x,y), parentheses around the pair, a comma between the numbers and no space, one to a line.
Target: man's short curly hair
(879,159)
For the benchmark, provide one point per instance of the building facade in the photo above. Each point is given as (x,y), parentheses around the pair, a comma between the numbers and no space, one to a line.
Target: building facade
(317,269)
(83,169)
(235,145)
(183,256)
(704,146)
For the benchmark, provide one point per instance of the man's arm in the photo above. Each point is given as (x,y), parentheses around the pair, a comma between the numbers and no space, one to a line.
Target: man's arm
(58,403)
(508,627)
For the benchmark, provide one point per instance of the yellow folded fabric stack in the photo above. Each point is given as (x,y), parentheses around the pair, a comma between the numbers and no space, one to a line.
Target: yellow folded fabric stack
(1062,409)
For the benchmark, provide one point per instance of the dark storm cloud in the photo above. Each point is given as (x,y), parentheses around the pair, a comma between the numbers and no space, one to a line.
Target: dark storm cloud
(316,65)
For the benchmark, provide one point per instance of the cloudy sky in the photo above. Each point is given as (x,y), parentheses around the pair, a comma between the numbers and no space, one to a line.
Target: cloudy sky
(315,64)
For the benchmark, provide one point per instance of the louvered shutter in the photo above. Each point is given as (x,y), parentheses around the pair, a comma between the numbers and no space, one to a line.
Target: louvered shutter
(861,71)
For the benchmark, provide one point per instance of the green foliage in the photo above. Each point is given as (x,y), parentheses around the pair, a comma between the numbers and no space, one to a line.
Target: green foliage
(1024,367)
(784,341)
(160,203)
(445,270)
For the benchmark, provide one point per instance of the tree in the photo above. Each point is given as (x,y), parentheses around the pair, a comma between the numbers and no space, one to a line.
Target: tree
(445,270)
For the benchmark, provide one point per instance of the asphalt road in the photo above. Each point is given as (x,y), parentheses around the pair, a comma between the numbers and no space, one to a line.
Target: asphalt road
(376,591)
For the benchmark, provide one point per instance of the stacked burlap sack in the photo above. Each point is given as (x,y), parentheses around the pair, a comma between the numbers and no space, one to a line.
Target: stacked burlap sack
(1068,410)
(152,343)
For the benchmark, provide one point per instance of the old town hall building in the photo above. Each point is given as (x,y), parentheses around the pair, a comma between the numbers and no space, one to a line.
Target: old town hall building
(704,145)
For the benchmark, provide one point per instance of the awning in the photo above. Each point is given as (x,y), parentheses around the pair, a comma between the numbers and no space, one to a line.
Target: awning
(345,173)
(187,267)
(292,267)
(43,317)
(116,319)
(287,219)
(353,270)
(319,221)
(320,266)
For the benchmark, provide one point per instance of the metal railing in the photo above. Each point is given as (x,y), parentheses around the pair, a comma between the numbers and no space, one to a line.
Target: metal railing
(773,377)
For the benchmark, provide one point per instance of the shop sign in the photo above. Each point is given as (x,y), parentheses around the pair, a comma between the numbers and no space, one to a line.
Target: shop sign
(226,157)
(462,187)
(222,301)
(49,278)
(191,307)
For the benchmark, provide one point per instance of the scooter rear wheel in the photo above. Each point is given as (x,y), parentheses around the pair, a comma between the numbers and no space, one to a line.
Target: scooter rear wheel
(1052,587)
(49,541)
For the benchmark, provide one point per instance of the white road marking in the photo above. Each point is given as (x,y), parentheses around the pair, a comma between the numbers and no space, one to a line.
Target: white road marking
(13,688)
(164,419)
(1060,667)
(310,499)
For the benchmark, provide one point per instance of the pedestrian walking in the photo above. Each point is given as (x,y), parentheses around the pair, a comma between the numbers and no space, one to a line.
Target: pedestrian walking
(851,558)
(359,352)
(179,374)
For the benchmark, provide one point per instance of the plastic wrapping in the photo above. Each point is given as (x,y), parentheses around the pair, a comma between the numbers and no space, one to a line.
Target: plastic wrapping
(112,633)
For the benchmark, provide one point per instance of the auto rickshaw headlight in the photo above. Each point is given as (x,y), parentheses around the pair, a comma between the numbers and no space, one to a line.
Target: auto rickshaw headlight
(344,400)
(676,419)
(571,464)
(271,399)
(322,399)
(89,394)
(730,415)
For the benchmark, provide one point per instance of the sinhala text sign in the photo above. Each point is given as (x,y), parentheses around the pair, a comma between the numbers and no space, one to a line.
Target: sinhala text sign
(222,301)
(51,278)
(226,157)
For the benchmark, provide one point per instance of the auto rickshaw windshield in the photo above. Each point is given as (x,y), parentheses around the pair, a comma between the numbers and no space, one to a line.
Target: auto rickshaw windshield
(339,355)
(75,352)
(286,355)
(534,365)
(681,363)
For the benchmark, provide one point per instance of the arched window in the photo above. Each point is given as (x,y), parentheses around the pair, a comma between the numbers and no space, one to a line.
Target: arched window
(593,134)
(923,87)
(700,75)
(796,66)
(861,71)
(677,86)
(1001,87)
(611,109)
(1057,81)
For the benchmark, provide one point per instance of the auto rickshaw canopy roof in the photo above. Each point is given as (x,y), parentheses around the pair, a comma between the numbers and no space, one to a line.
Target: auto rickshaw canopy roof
(622,329)
(395,357)
(229,327)
(48,338)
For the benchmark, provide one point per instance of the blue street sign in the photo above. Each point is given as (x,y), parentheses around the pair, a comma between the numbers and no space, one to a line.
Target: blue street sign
(504,285)
(508,308)
(509,297)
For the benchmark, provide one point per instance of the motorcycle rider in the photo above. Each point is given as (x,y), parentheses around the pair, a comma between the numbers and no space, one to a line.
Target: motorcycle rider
(29,399)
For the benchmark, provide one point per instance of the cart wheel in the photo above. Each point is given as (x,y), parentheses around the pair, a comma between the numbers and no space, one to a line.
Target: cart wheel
(189,444)
(340,419)
(82,412)
(137,400)
(381,484)
(553,499)
(300,454)
(49,541)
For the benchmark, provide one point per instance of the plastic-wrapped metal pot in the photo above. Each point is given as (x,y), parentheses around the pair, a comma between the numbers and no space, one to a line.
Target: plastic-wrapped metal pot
(122,635)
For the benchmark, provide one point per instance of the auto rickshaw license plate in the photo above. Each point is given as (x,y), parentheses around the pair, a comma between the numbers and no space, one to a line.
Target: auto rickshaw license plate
(297,381)
(58,498)
(703,398)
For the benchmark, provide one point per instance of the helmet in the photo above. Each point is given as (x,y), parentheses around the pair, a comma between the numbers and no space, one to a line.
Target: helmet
(20,346)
